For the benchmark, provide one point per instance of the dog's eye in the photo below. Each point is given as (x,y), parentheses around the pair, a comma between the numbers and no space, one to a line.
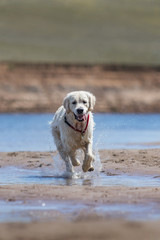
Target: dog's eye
(84,101)
(74,102)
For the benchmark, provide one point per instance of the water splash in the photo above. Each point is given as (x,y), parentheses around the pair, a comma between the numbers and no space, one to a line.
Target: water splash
(97,163)
(59,169)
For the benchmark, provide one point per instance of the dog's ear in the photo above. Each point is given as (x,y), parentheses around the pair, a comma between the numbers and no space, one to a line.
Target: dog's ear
(92,101)
(66,104)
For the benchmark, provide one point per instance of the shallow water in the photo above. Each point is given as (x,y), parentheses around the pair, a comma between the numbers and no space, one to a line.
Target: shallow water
(36,210)
(31,132)
(19,211)
(14,175)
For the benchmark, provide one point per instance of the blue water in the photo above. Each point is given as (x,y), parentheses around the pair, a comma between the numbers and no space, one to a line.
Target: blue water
(38,210)
(31,132)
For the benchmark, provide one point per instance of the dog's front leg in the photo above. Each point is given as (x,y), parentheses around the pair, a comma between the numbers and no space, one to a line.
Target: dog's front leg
(66,158)
(75,161)
(62,151)
(88,159)
(69,166)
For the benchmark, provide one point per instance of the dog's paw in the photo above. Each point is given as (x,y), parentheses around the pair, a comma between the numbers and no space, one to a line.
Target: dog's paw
(87,163)
(75,162)
(91,169)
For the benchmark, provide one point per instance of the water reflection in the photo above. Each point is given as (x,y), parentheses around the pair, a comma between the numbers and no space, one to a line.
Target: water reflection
(13,175)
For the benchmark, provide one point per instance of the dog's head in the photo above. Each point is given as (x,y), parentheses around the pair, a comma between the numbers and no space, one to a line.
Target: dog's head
(79,103)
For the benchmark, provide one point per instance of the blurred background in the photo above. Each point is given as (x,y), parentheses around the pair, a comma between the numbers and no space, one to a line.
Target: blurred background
(112,49)
(49,48)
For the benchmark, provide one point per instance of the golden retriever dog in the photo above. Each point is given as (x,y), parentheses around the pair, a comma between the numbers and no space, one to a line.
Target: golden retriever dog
(72,129)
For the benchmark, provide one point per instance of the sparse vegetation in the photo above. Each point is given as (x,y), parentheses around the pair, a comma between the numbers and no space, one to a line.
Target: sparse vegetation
(92,31)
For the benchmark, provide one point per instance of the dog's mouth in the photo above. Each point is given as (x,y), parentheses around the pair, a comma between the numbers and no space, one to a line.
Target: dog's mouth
(81,117)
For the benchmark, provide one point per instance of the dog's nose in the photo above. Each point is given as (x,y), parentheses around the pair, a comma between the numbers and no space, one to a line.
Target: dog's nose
(80,110)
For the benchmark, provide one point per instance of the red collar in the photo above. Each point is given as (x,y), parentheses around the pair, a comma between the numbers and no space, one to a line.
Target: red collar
(75,129)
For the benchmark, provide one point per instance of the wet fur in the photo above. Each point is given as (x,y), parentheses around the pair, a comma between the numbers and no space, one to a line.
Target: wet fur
(67,140)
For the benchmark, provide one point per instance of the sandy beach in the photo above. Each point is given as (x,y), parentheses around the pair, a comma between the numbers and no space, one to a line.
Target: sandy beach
(83,223)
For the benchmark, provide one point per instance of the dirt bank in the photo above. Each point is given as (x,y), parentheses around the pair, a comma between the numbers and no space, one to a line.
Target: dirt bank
(41,88)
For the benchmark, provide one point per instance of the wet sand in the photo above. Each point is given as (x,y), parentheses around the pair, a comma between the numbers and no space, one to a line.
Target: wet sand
(83,230)
(83,224)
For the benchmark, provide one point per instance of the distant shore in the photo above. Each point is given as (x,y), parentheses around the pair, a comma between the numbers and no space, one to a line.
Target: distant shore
(42,87)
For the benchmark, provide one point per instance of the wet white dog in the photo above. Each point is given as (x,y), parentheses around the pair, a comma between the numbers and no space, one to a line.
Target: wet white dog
(72,129)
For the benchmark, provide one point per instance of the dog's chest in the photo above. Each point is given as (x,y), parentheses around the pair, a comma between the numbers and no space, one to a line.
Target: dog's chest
(77,140)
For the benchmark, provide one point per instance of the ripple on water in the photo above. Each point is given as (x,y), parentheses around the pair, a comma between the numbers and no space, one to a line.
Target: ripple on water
(14,175)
